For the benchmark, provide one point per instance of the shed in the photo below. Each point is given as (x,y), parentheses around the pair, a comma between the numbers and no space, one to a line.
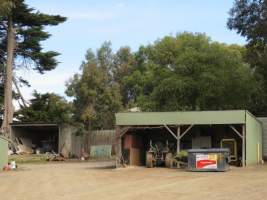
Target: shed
(3,152)
(47,136)
(190,129)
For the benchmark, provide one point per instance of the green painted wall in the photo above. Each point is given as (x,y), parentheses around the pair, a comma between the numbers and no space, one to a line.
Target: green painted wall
(253,138)
(183,118)
(3,152)
(264,136)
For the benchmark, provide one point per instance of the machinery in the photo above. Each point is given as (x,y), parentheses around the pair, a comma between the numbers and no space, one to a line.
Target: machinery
(158,155)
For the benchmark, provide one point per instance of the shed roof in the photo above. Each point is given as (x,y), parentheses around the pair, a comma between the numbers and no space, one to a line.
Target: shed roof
(32,124)
(181,118)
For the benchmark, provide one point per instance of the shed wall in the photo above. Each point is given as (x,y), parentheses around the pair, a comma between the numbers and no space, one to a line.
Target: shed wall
(253,140)
(264,136)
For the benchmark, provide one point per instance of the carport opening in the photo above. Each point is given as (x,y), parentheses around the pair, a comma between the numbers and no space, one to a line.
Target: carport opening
(136,142)
(40,138)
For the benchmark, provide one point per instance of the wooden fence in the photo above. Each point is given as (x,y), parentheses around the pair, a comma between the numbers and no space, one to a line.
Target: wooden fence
(96,138)
(77,145)
(102,137)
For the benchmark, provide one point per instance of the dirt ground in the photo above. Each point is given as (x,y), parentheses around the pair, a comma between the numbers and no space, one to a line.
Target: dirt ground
(80,181)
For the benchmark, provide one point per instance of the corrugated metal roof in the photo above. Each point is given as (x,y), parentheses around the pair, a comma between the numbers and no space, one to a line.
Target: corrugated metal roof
(182,118)
(32,124)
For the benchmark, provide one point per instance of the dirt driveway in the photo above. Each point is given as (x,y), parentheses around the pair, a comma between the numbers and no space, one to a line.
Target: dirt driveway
(80,181)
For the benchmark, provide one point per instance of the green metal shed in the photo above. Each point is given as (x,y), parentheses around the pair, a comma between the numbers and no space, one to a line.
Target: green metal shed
(241,122)
(3,152)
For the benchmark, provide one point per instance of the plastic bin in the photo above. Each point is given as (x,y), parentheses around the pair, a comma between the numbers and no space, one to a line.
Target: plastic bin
(208,159)
(3,152)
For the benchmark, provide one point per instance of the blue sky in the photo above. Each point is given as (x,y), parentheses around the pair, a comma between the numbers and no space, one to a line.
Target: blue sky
(123,22)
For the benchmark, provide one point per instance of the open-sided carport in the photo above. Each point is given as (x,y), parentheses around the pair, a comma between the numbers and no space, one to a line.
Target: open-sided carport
(238,125)
(47,136)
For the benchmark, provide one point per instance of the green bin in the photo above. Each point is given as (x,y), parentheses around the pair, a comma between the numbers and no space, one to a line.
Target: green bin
(3,152)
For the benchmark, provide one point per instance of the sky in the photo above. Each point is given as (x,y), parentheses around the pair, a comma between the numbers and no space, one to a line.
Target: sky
(123,23)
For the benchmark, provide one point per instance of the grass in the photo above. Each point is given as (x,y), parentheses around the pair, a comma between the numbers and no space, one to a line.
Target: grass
(31,158)
(41,159)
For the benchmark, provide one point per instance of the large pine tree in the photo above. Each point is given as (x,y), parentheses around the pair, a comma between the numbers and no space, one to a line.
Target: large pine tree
(21,34)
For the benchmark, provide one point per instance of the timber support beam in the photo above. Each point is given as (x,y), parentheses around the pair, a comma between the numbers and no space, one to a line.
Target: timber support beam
(243,138)
(188,129)
(178,139)
(236,131)
(170,131)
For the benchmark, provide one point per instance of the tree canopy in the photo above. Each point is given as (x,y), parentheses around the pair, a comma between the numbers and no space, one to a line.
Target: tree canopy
(190,72)
(29,27)
(249,19)
(5,6)
(48,107)
(183,72)
(96,96)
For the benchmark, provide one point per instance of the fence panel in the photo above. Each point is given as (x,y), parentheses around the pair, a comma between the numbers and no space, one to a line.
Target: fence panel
(103,137)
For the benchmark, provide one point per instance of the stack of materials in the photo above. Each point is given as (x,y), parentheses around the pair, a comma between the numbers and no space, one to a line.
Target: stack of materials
(24,146)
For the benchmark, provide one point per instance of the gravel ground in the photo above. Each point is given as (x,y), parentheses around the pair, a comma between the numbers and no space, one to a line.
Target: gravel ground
(80,181)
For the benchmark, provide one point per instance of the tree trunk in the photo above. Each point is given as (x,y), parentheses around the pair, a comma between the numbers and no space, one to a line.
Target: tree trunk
(8,106)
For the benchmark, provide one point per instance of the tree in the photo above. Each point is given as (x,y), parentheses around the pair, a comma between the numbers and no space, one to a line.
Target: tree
(5,6)
(96,96)
(249,19)
(123,61)
(47,107)
(190,72)
(183,72)
(21,34)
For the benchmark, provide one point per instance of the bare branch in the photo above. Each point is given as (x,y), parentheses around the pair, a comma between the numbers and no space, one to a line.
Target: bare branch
(19,92)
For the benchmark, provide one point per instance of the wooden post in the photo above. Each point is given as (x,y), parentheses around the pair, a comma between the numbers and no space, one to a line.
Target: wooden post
(243,145)
(178,139)
(118,146)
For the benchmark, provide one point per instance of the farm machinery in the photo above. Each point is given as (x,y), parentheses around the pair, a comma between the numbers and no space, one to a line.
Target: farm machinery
(162,155)
(158,155)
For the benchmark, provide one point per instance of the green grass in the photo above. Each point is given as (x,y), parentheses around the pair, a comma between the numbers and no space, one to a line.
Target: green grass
(41,159)
(31,158)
